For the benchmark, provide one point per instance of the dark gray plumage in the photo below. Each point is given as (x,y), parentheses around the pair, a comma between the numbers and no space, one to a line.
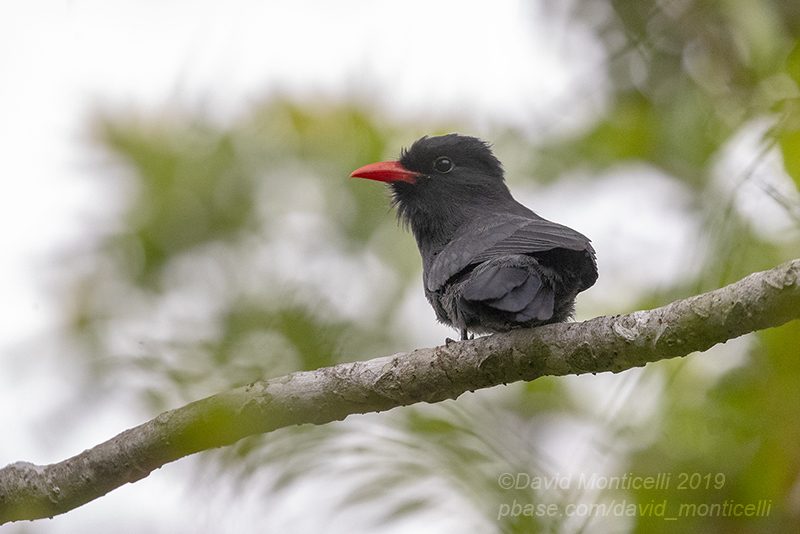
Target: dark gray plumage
(489,263)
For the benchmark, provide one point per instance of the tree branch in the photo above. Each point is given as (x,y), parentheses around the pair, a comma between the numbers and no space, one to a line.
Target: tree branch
(762,300)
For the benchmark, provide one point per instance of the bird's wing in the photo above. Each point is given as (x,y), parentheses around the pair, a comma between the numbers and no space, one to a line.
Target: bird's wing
(536,236)
(501,236)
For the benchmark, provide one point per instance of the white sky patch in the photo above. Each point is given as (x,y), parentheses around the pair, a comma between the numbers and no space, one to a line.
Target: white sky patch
(750,174)
(496,62)
(306,258)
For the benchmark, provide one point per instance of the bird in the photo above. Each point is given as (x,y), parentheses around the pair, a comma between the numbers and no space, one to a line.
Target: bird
(489,263)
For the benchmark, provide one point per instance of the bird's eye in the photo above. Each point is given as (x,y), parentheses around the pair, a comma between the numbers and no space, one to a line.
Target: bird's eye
(443,164)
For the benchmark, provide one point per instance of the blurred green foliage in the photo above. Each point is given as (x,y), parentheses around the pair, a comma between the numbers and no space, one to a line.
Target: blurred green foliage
(192,189)
(244,252)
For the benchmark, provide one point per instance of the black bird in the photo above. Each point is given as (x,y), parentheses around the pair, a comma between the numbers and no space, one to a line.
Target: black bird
(489,263)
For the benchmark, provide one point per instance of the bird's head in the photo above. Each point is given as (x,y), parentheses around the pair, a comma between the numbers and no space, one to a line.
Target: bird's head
(440,182)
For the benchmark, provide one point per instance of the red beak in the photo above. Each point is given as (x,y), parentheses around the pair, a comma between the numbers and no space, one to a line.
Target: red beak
(386,171)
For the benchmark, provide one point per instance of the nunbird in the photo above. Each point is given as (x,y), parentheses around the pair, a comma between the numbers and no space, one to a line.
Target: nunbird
(489,263)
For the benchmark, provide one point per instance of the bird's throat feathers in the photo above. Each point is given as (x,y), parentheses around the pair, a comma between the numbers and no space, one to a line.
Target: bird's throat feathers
(429,222)
(434,217)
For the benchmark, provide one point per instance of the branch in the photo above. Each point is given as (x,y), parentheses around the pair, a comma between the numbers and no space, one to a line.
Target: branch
(762,300)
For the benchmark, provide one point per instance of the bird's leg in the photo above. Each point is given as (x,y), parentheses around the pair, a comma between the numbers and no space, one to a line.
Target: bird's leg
(464,337)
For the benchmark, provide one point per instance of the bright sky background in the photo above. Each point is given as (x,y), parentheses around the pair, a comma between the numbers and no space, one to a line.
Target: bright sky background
(60,59)
(492,62)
